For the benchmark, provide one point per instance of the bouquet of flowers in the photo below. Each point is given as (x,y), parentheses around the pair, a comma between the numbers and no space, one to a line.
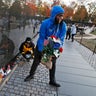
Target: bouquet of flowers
(51,49)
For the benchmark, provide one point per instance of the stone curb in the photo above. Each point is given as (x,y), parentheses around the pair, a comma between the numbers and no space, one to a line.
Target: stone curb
(8,77)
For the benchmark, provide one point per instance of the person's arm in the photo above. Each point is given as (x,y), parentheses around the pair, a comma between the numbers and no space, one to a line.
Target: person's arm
(33,46)
(42,35)
(63,33)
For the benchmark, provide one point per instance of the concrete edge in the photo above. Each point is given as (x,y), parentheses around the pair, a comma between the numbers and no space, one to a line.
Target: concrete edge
(8,77)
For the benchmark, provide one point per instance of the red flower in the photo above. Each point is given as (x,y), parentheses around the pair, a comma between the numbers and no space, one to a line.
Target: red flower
(61,49)
(3,68)
(52,36)
(46,42)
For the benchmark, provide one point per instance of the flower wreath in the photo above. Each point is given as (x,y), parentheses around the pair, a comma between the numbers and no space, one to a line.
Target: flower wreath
(51,48)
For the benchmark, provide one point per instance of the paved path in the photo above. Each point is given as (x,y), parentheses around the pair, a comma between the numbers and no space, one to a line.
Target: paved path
(76,76)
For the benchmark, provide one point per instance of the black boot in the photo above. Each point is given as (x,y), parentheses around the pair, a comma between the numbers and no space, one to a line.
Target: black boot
(28,78)
(52,74)
(54,84)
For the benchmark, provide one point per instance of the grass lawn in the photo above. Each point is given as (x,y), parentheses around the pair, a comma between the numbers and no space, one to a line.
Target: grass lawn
(89,43)
(94,32)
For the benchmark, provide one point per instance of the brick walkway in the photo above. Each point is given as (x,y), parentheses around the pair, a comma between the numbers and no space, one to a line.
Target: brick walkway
(37,87)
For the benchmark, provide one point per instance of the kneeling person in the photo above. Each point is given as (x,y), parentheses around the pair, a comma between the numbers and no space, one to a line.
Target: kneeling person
(27,49)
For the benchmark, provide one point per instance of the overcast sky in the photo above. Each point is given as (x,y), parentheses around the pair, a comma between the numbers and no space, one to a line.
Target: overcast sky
(67,2)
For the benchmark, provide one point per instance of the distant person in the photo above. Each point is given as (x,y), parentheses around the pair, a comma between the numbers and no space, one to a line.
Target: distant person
(68,34)
(73,32)
(24,24)
(34,27)
(19,25)
(27,49)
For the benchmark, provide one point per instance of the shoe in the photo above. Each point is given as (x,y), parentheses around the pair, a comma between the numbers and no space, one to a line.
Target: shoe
(28,78)
(54,84)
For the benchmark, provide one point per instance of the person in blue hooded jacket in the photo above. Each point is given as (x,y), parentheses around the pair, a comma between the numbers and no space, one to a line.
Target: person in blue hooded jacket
(54,25)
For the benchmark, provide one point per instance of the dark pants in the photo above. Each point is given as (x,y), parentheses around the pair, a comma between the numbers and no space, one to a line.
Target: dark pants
(37,59)
(68,35)
(73,37)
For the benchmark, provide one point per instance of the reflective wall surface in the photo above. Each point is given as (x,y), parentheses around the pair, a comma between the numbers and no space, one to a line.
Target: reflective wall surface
(10,42)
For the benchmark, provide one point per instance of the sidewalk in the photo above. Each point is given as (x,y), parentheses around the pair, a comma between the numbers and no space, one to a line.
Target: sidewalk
(76,76)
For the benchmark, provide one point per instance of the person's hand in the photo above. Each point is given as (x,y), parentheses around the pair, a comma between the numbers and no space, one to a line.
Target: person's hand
(22,52)
(60,49)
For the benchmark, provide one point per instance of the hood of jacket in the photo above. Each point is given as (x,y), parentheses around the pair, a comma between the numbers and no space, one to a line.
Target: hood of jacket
(55,11)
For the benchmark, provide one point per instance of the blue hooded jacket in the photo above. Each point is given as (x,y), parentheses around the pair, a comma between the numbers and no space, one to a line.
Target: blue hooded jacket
(48,28)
